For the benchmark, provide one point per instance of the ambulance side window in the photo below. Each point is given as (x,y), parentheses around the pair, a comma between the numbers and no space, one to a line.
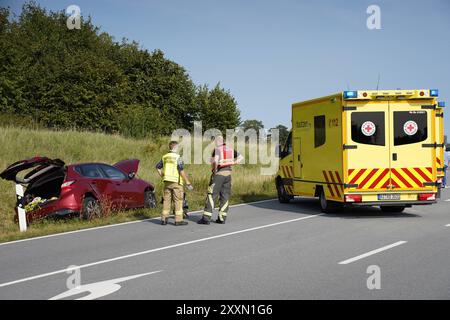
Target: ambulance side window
(319,131)
(410,127)
(368,128)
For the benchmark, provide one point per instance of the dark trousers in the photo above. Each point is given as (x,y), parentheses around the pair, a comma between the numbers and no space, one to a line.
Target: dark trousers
(219,187)
(444,181)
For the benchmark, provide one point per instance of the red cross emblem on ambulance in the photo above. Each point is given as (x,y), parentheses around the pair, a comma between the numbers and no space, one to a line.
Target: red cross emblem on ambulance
(410,128)
(368,128)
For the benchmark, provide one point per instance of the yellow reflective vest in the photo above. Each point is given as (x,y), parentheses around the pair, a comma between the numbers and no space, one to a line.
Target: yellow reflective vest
(170,168)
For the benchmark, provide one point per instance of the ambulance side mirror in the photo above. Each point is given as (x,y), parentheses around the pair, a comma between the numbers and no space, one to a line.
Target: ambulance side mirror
(279,152)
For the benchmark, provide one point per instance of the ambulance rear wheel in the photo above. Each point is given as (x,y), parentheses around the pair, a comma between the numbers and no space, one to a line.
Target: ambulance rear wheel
(396,209)
(283,196)
(327,206)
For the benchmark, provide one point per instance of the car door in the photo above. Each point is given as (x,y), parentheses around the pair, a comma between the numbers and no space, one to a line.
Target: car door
(124,189)
(100,184)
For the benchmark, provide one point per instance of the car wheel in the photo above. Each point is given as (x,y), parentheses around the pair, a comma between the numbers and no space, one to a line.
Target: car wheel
(283,196)
(149,199)
(327,206)
(91,208)
(392,209)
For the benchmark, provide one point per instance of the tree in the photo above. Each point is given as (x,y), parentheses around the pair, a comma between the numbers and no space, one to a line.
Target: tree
(252,124)
(216,108)
(83,79)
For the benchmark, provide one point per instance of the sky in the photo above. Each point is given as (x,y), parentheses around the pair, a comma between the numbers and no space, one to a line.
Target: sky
(270,54)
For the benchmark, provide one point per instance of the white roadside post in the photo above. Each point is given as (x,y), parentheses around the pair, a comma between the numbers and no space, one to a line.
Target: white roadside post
(20,209)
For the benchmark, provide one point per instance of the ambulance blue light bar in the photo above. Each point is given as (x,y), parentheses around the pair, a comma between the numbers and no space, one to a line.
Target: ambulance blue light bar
(434,93)
(441,104)
(350,94)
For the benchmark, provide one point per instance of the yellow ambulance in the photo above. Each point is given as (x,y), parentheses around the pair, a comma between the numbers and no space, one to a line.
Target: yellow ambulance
(367,148)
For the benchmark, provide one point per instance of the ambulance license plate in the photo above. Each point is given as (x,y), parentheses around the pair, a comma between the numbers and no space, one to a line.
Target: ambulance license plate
(389,196)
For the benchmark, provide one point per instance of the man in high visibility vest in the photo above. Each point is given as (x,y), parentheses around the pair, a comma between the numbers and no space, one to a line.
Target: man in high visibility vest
(171,170)
(223,158)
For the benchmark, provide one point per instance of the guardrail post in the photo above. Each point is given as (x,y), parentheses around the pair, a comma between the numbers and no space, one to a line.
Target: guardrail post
(20,209)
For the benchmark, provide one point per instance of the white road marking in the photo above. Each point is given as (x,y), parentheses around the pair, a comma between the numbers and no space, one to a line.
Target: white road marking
(367,254)
(98,289)
(447,200)
(116,225)
(132,255)
(447,225)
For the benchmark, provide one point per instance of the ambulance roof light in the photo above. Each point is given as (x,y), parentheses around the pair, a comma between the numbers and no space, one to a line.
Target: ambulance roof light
(441,104)
(350,94)
(434,92)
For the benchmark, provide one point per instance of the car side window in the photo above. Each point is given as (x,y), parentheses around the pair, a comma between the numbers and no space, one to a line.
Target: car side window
(89,171)
(113,173)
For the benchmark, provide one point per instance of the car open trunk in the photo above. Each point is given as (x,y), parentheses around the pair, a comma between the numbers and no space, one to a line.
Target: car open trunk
(41,176)
(48,187)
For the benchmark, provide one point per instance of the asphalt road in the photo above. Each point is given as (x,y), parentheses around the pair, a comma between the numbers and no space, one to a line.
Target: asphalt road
(266,250)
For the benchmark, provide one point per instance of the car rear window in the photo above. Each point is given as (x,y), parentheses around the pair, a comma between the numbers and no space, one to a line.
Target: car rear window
(368,128)
(89,171)
(410,127)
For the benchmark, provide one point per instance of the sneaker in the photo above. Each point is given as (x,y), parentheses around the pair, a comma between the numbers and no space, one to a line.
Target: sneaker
(203,221)
(164,222)
(181,223)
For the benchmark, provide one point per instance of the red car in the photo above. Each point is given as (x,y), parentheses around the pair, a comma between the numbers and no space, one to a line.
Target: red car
(54,189)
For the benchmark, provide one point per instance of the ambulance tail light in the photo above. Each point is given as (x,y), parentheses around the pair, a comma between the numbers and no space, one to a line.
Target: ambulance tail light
(353,198)
(350,94)
(426,196)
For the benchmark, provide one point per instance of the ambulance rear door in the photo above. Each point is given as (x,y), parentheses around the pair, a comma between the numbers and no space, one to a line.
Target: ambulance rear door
(412,145)
(366,148)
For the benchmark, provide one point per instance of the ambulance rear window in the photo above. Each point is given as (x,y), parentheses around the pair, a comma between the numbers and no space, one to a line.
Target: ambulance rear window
(410,127)
(368,128)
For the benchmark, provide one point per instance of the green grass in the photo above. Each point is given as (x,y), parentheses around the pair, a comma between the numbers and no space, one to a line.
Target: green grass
(74,147)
